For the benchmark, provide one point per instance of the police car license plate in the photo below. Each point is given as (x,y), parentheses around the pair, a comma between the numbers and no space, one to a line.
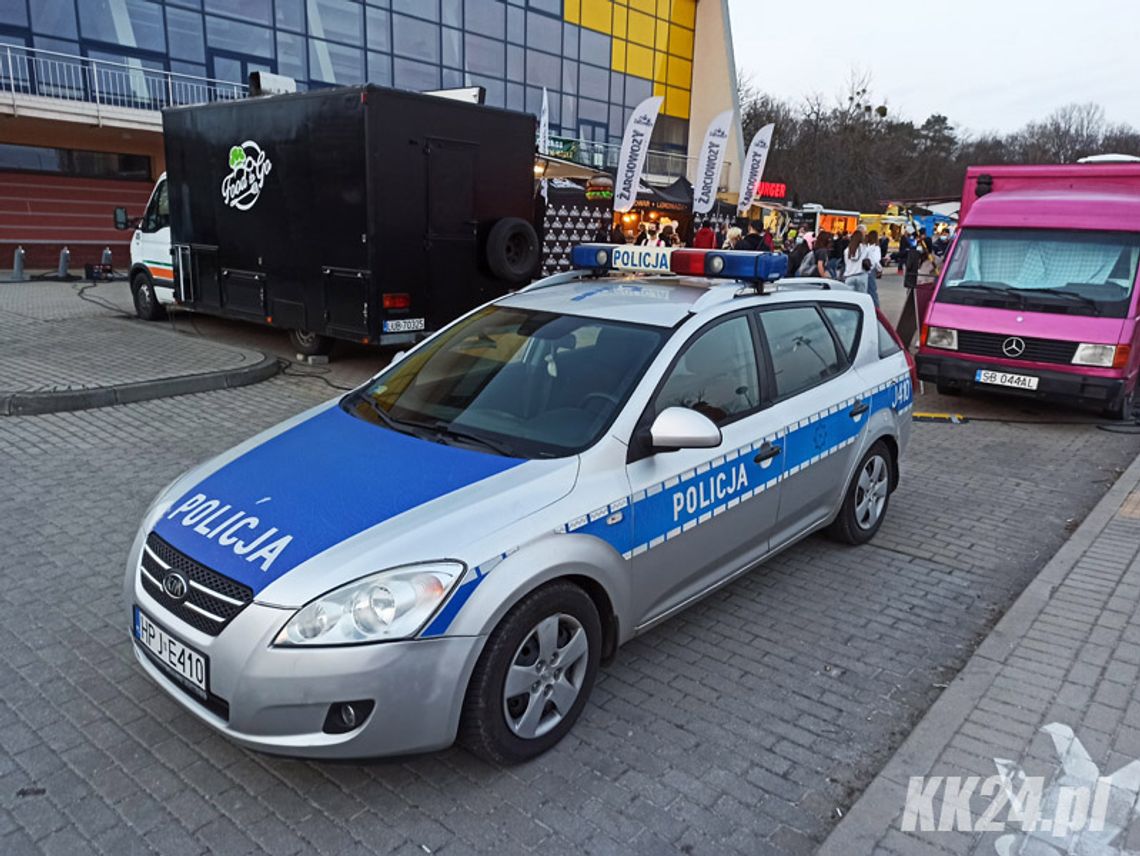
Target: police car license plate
(172,655)
(1019,381)
(403,325)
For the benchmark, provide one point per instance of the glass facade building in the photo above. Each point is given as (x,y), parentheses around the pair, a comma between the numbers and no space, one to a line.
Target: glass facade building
(596,58)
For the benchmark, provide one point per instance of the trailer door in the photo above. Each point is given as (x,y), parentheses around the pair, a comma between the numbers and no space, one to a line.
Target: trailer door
(451,233)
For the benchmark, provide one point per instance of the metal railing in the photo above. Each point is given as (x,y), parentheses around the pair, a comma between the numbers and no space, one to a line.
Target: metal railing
(34,71)
(606,155)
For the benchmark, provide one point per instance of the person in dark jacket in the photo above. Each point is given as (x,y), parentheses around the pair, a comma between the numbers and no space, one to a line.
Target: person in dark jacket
(753,240)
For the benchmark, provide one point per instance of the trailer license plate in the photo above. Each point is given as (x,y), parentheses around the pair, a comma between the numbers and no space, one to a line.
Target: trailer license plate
(1019,381)
(174,656)
(403,325)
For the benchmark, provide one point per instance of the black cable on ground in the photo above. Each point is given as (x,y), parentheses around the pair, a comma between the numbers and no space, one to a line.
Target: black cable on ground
(288,368)
(81,290)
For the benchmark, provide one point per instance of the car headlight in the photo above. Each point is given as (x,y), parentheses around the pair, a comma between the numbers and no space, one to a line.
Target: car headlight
(392,604)
(1094,355)
(942,337)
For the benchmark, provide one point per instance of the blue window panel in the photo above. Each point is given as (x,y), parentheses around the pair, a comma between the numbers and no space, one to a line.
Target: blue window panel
(14,13)
(485,56)
(54,18)
(550,7)
(252,11)
(380,68)
(189,4)
(422,8)
(595,48)
(412,37)
(569,75)
(292,56)
(140,26)
(570,41)
(543,33)
(187,38)
(486,17)
(592,111)
(453,13)
(516,26)
(569,115)
(594,82)
(452,78)
(452,48)
(330,62)
(379,30)
(515,96)
(226,35)
(417,76)
(194,69)
(290,15)
(516,57)
(637,89)
(228,69)
(336,20)
(543,69)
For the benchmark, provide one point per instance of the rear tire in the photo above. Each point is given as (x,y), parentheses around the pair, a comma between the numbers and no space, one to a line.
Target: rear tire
(868,495)
(310,344)
(549,646)
(146,302)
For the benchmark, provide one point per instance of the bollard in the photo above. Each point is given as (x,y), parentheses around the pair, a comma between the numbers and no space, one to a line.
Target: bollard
(18,265)
(107,256)
(64,262)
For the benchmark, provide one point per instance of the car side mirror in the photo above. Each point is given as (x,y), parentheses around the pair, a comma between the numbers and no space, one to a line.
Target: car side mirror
(122,221)
(682,428)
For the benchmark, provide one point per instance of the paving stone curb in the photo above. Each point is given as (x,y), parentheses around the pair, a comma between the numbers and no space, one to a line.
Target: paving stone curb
(56,401)
(882,802)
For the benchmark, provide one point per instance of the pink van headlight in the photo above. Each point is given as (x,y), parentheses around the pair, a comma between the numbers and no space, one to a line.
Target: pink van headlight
(942,337)
(1095,355)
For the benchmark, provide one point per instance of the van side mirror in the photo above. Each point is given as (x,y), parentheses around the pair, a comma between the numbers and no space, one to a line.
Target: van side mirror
(681,428)
(122,221)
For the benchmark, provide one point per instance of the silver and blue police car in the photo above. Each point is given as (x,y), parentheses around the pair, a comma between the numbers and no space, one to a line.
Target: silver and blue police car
(454,547)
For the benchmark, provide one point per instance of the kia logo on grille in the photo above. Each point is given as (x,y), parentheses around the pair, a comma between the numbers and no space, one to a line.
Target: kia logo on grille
(1014,346)
(174,585)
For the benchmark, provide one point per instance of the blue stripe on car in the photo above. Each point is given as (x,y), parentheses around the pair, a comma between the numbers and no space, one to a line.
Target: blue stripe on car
(312,487)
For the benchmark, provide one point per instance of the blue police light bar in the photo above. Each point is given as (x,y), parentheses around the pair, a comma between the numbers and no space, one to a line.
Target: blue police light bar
(591,257)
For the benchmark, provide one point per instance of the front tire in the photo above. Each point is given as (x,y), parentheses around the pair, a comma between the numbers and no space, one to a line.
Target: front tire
(868,495)
(1123,408)
(310,344)
(534,675)
(146,302)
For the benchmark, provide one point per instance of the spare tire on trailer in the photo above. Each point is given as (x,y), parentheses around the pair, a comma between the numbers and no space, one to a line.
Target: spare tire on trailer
(513,253)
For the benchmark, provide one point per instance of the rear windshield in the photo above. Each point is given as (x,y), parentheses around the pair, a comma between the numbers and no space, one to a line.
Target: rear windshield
(1044,270)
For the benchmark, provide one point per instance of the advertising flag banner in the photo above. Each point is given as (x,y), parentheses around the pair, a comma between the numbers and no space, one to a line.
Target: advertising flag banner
(544,137)
(634,147)
(710,163)
(754,167)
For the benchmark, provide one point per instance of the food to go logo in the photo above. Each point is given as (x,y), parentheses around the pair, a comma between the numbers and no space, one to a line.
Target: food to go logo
(248,168)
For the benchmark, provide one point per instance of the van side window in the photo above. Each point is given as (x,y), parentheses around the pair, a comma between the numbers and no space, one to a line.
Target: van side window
(846,321)
(802,348)
(716,374)
(158,211)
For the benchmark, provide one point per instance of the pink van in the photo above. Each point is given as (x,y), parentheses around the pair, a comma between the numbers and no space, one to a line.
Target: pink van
(1038,295)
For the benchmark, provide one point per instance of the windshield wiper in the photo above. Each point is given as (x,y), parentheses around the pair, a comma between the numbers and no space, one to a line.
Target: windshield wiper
(1061,292)
(404,426)
(445,429)
(1001,288)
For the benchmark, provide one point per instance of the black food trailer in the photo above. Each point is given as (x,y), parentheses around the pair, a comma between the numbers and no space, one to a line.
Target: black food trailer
(360,213)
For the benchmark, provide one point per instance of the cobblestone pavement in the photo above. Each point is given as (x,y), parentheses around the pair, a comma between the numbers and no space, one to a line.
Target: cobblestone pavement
(72,336)
(1053,693)
(741,726)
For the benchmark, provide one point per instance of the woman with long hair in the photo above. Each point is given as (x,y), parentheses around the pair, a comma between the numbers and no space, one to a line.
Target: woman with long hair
(853,256)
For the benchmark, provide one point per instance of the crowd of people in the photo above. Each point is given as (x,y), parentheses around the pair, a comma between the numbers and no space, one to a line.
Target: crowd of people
(857,259)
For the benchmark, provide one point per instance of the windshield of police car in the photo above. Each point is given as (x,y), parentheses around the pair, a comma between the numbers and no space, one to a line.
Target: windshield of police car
(513,381)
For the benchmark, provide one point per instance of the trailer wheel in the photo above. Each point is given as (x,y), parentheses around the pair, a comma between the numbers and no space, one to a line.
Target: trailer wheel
(147,306)
(310,344)
(512,250)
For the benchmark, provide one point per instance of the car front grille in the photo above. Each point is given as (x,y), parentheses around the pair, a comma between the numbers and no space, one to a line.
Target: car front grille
(1036,350)
(211,601)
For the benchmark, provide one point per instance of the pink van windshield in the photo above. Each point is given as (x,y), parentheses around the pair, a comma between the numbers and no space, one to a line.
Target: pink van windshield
(1043,270)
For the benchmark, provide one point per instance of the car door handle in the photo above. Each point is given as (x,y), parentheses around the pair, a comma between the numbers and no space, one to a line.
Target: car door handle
(859,409)
(766,453)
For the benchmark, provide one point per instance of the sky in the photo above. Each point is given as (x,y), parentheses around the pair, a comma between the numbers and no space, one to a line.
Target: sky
(988,65)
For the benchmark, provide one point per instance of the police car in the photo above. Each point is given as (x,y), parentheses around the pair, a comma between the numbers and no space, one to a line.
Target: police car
(454,547)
